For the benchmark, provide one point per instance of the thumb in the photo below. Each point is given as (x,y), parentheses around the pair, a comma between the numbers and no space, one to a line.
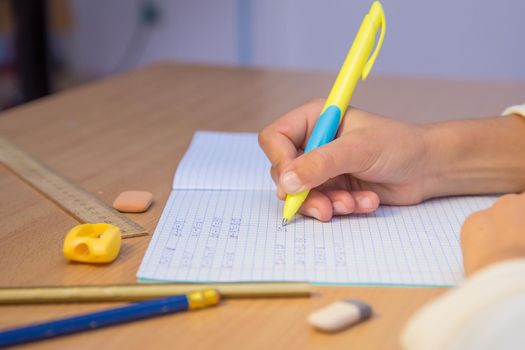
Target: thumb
(348,154)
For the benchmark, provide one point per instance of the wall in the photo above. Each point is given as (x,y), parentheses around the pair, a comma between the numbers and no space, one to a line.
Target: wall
(472,39)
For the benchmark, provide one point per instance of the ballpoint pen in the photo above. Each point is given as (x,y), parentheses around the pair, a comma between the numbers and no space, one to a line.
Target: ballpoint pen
(354,66)
(110,317)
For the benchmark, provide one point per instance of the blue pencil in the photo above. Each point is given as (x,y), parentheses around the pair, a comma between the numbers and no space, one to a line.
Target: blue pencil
(110,317)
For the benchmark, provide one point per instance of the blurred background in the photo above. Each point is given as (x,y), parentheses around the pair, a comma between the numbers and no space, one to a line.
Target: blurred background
(48,46)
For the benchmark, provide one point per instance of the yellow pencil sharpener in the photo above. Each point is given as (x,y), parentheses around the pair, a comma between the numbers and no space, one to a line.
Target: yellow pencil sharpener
(93,243)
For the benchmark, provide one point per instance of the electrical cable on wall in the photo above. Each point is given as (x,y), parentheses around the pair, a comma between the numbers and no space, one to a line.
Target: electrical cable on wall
(148,17)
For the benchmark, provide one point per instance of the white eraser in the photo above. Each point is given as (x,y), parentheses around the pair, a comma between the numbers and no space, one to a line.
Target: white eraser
(340,315)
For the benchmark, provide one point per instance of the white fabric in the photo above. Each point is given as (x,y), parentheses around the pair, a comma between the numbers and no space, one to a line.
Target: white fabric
(485,312)
(517,109)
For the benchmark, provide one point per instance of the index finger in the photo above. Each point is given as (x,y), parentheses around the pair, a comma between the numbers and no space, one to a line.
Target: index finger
(283,139)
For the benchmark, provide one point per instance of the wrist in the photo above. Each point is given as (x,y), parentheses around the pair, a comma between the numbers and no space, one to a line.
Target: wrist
(475,157)
(442,145)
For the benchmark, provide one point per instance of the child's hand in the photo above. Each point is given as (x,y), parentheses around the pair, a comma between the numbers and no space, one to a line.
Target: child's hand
(372,159)
(494,234)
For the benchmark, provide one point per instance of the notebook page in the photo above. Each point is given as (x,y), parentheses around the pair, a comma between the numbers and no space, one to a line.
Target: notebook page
(224,161)
(231,236)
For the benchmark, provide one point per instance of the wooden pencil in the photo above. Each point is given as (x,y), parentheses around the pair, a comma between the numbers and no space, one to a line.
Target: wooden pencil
(135,292)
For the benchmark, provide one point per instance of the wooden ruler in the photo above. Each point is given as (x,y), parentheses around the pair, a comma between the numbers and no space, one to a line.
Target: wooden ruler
(81,204)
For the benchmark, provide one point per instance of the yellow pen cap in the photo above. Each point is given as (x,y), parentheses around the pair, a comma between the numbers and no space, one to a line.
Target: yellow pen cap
(377,18)
(358,61)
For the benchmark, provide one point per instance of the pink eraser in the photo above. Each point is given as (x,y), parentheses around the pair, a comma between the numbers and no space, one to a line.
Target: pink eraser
(133,201)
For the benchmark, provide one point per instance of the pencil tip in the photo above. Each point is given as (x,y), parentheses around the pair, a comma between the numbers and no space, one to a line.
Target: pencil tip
(284,222)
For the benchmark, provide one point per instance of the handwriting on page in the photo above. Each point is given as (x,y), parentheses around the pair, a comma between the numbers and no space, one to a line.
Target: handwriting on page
(210,234)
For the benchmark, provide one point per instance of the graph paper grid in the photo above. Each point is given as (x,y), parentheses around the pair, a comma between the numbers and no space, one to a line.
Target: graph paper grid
(228,229)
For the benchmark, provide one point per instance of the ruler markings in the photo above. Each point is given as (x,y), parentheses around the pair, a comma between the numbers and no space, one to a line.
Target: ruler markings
(81,204)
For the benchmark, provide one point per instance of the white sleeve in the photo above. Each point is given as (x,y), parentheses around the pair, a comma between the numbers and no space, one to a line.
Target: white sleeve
(486,312)
(517,109)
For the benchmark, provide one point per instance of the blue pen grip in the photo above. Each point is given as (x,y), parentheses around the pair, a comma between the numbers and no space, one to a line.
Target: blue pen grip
(325,128)
(93,320)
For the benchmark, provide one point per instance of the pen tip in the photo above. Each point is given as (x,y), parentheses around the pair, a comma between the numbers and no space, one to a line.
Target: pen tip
(284,222)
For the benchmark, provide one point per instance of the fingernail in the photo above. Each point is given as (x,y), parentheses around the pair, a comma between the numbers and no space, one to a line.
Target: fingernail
(290,182)
(339,208)
(364,202)
(313,212)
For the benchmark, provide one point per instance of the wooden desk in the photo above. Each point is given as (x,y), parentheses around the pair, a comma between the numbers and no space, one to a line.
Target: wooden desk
(129,132)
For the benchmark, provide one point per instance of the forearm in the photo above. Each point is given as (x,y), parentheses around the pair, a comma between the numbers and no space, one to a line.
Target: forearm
(475,156)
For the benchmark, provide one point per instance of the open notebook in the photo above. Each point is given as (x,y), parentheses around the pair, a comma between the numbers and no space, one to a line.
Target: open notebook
(222,223)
